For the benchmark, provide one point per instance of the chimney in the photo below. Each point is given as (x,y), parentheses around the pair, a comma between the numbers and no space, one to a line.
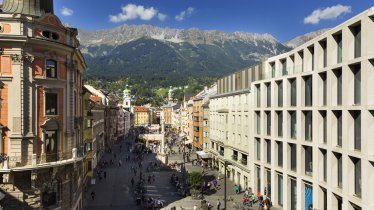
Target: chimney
(28,7)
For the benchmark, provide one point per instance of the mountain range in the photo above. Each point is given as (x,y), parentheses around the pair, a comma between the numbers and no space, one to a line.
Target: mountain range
(151,53)
(299,40)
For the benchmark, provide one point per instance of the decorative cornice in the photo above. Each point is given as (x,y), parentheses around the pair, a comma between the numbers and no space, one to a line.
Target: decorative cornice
(17,58)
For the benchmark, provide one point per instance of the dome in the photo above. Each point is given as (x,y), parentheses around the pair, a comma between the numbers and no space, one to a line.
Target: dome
(28,7)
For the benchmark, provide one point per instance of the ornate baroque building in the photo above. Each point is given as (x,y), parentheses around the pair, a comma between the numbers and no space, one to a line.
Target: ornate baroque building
(41,72)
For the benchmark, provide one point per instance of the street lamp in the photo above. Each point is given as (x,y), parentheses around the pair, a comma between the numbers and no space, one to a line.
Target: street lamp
(226,163)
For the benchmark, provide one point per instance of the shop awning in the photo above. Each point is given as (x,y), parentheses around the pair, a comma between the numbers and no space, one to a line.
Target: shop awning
(188,142)
(203,154)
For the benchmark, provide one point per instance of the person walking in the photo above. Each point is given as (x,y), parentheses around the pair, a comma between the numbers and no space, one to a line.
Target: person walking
(132,182)
(93,195)
(104,174)
(260,203)
(267,203)
(153,178)
(237,189)
(219,205)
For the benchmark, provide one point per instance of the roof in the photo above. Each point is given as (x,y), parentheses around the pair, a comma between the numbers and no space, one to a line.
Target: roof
(141,109)
(28,7)
(98,93)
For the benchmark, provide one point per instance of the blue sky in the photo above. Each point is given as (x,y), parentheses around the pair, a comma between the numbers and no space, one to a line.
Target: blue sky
(284,19)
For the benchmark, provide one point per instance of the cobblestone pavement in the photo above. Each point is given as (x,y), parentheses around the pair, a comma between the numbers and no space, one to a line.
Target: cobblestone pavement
(187,203)
(115,192)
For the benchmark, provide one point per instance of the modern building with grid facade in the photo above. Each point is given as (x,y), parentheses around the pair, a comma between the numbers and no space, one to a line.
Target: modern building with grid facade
(313,117)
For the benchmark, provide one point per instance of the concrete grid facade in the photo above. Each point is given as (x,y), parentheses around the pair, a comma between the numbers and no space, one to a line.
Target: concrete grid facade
(313,117)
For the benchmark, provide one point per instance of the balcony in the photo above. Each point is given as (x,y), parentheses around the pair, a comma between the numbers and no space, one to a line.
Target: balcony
(28,162)
(243,161)
(234,157)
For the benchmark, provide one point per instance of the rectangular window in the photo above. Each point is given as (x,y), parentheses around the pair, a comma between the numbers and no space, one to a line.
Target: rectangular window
(280,123)
(293,194)
(244,159)
(284,67)
(339,161)
(293,92)
(339,43)
(268,123)
(311,50)
(258,124)
(339,119)
(356,70)
(357,165)
(323,79)
(324,159)
(258,90)
(280,189)
(301,54)
(324,50)
(356,31)
(339,79)
(268,95)
(280,93)
(308,160)
(51,104)
(308,117)
(235,155)
(357,129)
(258,148)
(293,157)
(268,151)
(272,66)
(293,124)
(51,69)
(324,130)
(308,90)
(280,153)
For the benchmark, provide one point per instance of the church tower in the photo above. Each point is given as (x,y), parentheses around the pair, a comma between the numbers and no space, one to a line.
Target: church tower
(127,99)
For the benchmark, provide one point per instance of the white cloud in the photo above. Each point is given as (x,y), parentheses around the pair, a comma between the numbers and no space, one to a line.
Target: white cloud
(328,13)
(185,13)
(66,11)
(161,16)
(133,11)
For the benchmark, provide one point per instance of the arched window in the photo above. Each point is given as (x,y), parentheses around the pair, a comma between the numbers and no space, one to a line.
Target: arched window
(50,35)
(51,68)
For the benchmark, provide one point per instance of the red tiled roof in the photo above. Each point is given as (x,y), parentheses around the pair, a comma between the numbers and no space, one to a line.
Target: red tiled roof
(141,109)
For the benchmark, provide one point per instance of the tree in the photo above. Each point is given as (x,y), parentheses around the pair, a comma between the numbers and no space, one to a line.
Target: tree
(196,180)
